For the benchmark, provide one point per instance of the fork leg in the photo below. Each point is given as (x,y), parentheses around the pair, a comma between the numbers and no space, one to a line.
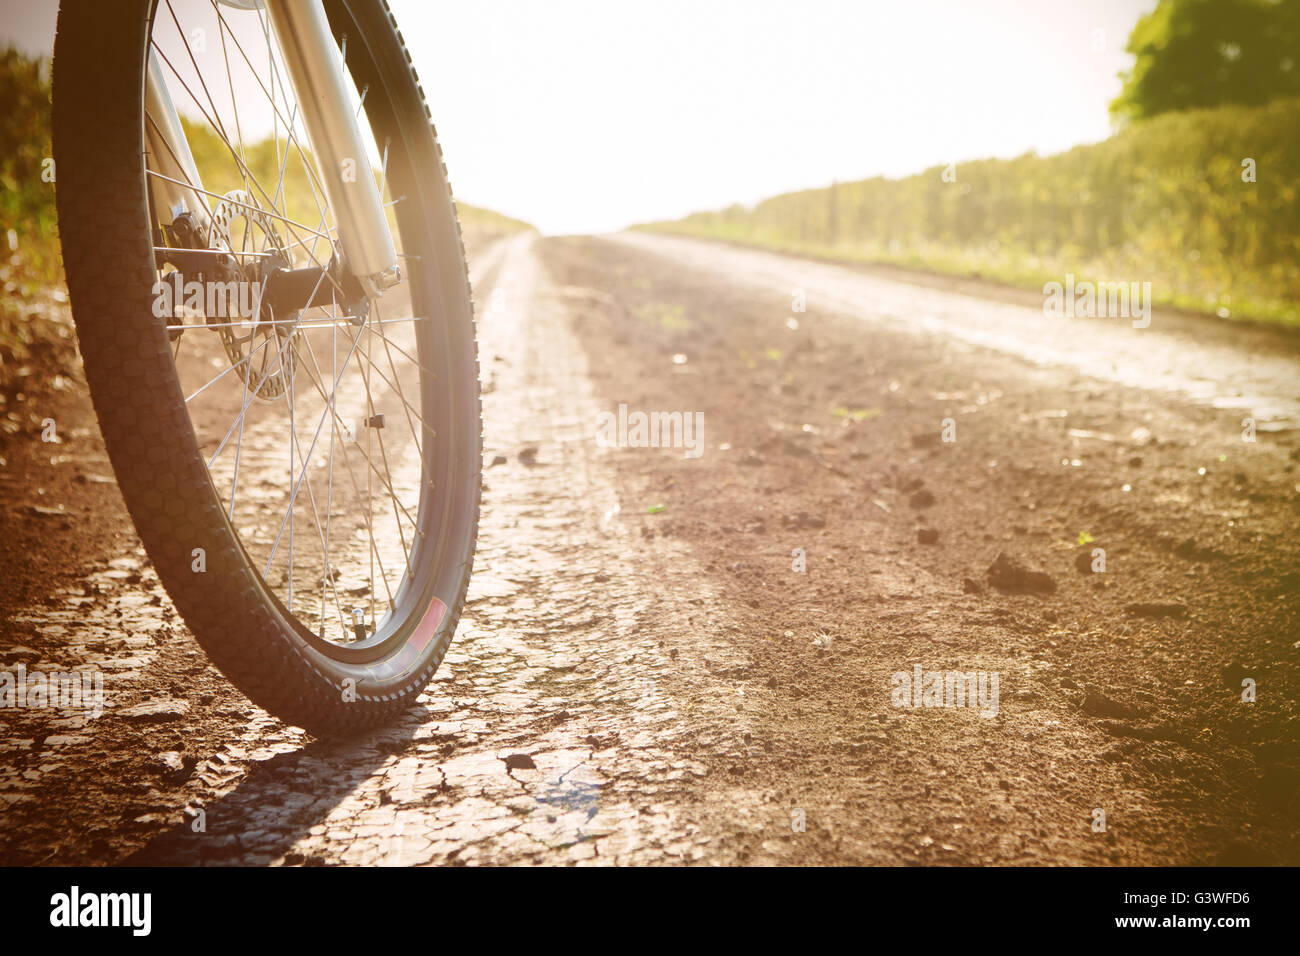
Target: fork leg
(169,156)
(312,59)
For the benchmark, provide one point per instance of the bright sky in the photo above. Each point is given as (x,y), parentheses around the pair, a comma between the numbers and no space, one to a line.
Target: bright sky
(591,115)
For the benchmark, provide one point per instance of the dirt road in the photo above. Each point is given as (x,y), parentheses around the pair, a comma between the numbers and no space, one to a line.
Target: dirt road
(693,653)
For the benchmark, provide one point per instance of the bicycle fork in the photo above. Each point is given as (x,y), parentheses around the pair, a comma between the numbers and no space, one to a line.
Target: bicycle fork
(315,72)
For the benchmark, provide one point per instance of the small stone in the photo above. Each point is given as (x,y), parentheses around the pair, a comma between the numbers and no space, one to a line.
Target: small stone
(520,762)
(1156,609)
(927,535)
(174,766)
(155,711)
(1099,705)
(803,520)
(170,760)
(1189,550)
(1007,574)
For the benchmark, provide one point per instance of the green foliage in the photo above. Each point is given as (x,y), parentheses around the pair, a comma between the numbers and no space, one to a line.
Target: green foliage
(1162,201)
(26,199)
(31,313)
(1192,54)
(297,189)
(296,193)
(29,245)
(27,202)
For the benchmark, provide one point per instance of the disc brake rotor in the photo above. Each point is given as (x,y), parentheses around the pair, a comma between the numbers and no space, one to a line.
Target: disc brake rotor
(257,250)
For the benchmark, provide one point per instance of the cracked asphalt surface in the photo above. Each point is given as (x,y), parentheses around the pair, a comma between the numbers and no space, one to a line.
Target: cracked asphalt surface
(552,733)
(549,735)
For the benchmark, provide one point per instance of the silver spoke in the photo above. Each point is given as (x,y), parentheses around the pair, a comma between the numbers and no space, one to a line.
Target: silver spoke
(258,390)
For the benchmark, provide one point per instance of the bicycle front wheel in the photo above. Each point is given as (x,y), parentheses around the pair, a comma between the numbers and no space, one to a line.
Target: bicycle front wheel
(305,483)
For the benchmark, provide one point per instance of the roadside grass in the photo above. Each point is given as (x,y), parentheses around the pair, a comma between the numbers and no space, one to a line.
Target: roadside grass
(1166,200)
